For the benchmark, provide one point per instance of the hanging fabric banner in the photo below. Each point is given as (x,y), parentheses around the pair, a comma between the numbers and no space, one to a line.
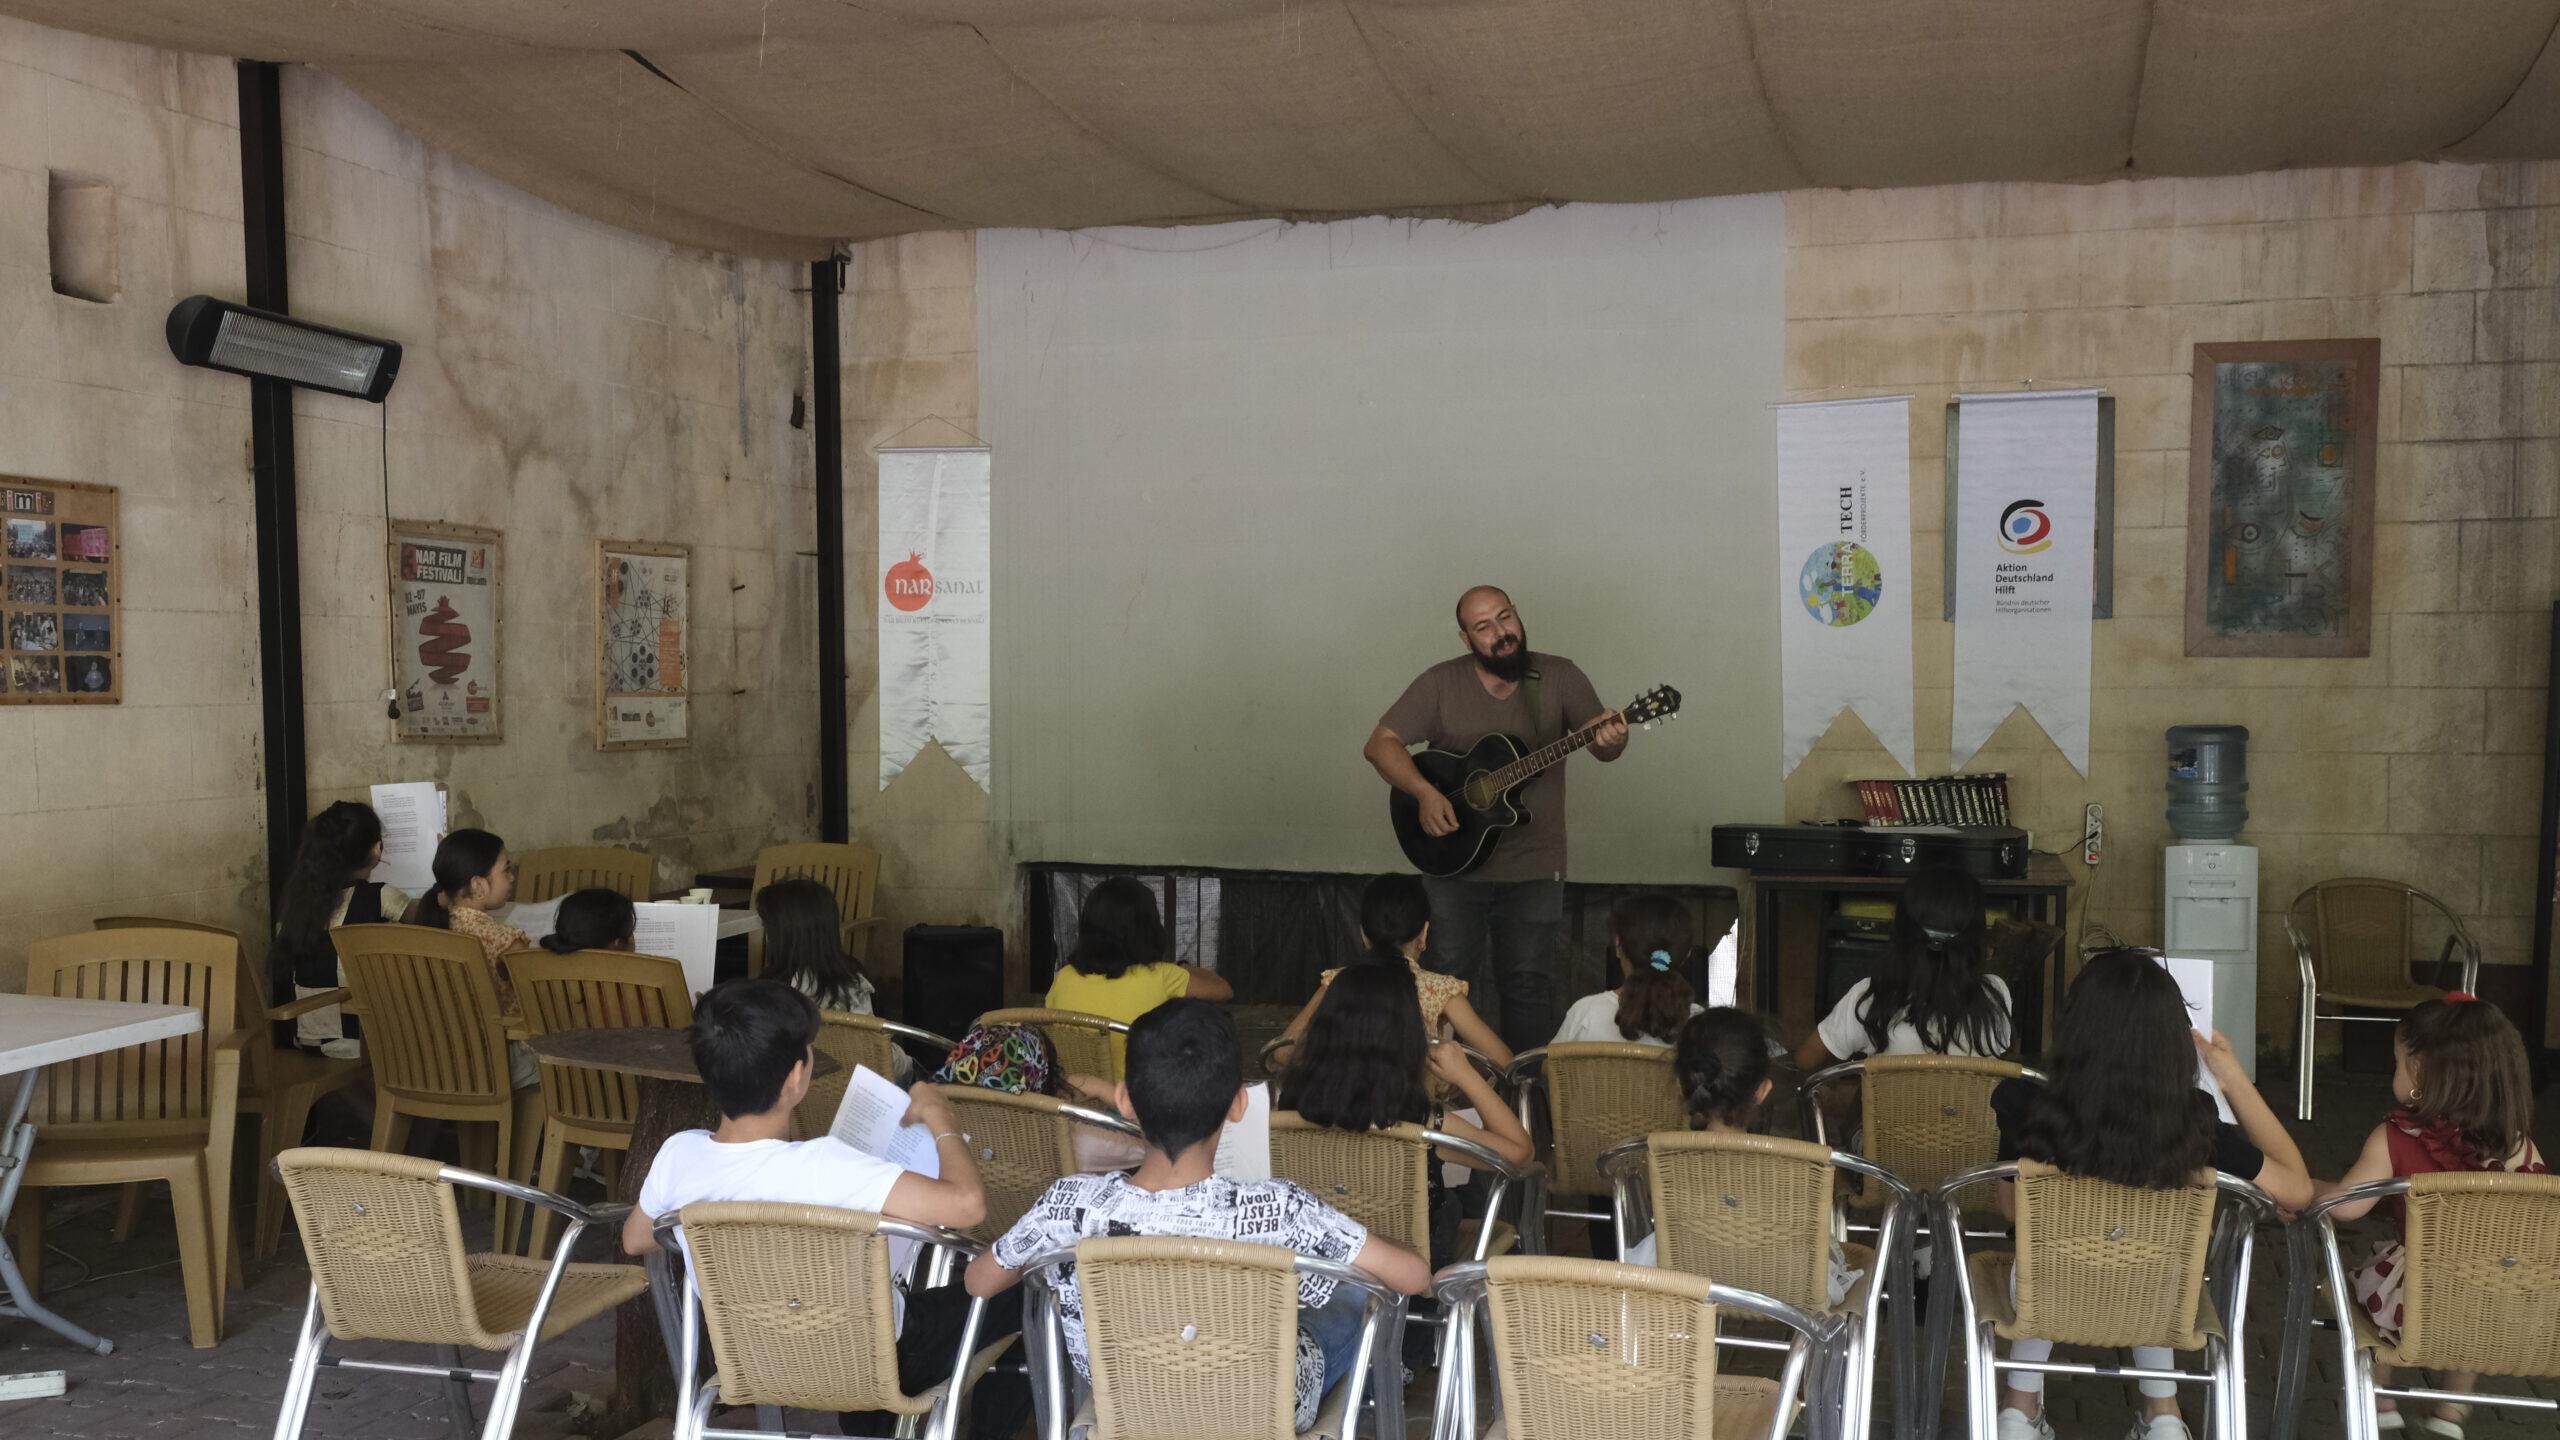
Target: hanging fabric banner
(2026,561)
(934,608)
(1844,558)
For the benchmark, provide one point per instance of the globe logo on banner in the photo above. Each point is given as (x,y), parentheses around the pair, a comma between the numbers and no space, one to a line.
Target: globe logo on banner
(1841,583)
(2024,527)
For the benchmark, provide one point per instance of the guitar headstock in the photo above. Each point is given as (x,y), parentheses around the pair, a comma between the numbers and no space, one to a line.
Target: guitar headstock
(1659,703)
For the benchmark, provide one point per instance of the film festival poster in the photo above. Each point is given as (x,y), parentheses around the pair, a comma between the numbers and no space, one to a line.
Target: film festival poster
(61,634)
(644,644)
(445,583)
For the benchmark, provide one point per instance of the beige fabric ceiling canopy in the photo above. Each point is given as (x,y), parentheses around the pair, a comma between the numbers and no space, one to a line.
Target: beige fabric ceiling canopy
(787,126)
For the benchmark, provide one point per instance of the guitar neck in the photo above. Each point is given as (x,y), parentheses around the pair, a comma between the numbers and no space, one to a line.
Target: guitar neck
(1544,756)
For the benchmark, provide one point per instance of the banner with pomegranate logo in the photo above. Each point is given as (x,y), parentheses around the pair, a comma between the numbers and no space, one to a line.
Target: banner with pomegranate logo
(934,608)
(1844,568)
(2026,565)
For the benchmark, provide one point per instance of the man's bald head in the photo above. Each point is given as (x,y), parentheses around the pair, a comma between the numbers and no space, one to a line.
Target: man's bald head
(1481,596)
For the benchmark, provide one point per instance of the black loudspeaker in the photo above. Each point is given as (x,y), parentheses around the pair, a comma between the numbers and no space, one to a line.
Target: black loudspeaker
(954,974)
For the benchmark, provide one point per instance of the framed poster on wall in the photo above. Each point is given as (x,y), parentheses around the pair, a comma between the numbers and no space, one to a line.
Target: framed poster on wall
(643,644)
(445,584)
(61,635)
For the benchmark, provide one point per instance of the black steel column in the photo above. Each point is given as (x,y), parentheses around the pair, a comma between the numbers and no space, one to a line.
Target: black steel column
(827,377)
(271,472)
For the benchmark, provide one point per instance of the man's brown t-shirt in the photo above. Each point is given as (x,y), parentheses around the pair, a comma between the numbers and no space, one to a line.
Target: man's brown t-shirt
(1446,707)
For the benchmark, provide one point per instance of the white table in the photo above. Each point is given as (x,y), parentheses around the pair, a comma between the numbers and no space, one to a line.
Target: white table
(734,923)
(36,1031)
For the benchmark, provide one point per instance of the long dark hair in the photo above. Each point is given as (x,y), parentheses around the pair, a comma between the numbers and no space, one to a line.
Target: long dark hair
(1655,933)
(462,856)
(1121,927)
(336,851)
(1393,911)
(1360,1064)
(2472,1074)
(804,943)
(1933,981)
(1721,1059)
(591,919)
(2123,1104)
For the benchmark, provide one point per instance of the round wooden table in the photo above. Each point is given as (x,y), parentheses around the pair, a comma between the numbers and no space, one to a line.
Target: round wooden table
(670,1098)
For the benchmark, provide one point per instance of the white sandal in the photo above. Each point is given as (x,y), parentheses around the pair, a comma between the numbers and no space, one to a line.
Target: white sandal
(2439,1426)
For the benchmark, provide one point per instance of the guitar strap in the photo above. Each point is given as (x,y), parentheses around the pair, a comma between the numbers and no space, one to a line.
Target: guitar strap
(1538,737)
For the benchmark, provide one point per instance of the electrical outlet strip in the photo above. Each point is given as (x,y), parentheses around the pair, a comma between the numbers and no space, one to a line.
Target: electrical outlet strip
(33,1385)
(2093,833)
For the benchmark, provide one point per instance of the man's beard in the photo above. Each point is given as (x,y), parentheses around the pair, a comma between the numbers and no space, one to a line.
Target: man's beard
(1507,668)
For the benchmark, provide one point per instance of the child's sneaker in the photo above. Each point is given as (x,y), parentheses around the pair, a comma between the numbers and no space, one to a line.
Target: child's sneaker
(2159,1427)
(2016,1425)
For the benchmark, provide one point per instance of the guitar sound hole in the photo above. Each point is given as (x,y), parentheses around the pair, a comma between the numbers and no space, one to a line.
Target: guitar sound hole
(1476,794)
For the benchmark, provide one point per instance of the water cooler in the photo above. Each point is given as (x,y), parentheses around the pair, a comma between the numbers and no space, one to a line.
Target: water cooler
(2208,884)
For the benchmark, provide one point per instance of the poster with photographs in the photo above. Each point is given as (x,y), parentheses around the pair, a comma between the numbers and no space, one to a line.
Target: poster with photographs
(60,641)
(444,631)
(644,644)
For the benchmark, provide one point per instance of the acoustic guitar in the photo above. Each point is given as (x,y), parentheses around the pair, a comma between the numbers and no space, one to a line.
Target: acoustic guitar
(1482,786)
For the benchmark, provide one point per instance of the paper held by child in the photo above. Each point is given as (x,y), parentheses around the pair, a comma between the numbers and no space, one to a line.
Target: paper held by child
(868,1119)
(413,822)
(536,918)
(2195,983)
(1244,1147)
(686,934)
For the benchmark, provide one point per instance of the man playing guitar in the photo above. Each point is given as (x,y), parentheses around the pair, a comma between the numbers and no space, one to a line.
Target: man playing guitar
(1504,920)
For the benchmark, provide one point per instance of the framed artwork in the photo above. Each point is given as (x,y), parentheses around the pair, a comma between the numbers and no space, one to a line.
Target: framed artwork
(445,589)
(644,643)
(61,579)
(2280,498)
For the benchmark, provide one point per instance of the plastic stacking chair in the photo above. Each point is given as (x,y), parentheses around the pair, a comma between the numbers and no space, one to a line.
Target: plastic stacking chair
(1596,1097)
(1585,1348)
(1382,1178)
(550,874)
(387,1263)
(163,1112)
(1757,1213)
(1024,1144)
(583,1106)
(797,1303)
(1086,1044)
(2354,941)
(2112,1266)
(2481,1292)
(851,871)
(855,1039)
(439,1046)
(1193,1337)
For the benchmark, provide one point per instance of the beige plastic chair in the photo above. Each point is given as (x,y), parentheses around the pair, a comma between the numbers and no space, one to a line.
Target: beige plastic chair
(583,1106)
(2111,1266)
(439,1046)
(851,871)
(855,1039)
(550,874)
(1024,1144)
(2353,942)
(796,1300)
(161,1112)
(1086,1044)
(1756,1213)
(387,1263)
(2481,1292)
(1587,1348)
(1596,1097)
(1191,1339)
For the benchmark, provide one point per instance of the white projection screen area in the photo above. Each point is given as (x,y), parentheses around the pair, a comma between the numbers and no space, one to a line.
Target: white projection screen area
(1243,472)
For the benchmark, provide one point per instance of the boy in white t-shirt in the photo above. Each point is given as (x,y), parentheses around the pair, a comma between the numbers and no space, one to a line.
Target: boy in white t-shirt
(751,1040)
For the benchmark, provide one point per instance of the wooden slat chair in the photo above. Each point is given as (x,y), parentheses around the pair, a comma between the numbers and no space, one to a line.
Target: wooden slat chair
(855,1039)
(438,1044)
(162,1112)
(1592,1097)
(851,871)
(2354,941)
(1584,1348)
(550,874)
(1086,1044)
(584,1106)
(1024,1144)
(387,1263)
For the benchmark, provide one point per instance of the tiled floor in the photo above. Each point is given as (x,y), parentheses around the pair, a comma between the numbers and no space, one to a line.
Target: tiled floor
(156,1386)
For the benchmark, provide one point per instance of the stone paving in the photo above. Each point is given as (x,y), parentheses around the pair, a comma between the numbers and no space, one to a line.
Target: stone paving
(155,1385)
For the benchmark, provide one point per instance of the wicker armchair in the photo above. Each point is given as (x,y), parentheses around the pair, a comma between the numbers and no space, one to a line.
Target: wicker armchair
(582,1106)
(797,1303)
(1194,1338)
(387,1263)
(1024,1145)
(854,1039)
(2353,942)
(851,871)
(1597,1096)
(1583,1348)
(550,874)
(1757,1213)
(1086,1044)
(2108,1265)
(2481,1293)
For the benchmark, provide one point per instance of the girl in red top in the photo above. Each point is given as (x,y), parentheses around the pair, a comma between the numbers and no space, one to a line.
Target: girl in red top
(2466,1103)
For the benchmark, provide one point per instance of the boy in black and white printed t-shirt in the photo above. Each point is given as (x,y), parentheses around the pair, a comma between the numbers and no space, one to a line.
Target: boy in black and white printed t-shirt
(1186,1081)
